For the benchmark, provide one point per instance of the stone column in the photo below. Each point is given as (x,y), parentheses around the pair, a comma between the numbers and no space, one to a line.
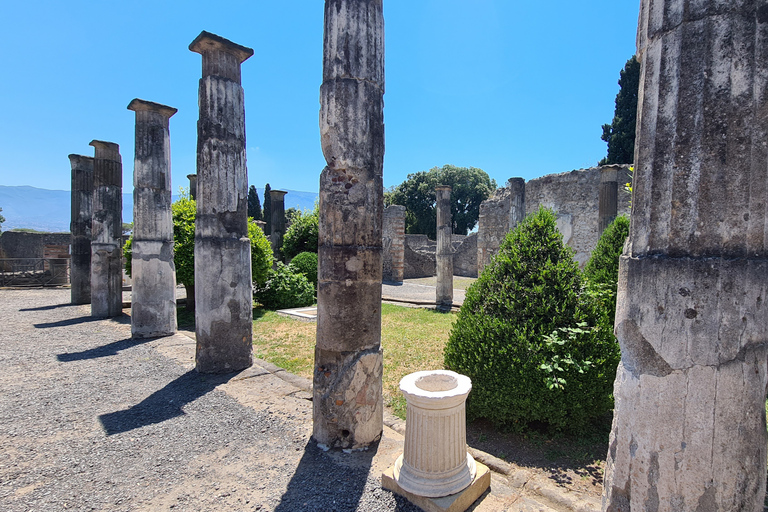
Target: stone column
(348,409)
(277,202)
(444,251)
(106,229)
(516,188)
(153,295)
(82,216)
(608,197)
(223,287)
(689,427)
(192,186)
(498,216)
(393,243)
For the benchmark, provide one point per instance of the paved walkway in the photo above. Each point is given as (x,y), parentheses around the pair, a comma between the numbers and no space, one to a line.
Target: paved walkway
(93,420)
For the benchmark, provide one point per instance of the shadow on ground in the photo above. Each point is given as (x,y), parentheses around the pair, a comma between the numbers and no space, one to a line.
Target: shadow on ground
(68,322)
(164,404)
(48,308)
(110,349)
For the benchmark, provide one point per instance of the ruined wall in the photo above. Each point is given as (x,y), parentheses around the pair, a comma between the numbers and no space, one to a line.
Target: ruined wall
(16,244)
(420,256)
(574,198)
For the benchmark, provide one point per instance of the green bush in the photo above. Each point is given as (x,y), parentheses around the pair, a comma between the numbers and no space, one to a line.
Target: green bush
(305,263)
(128,255)
(530,339)
(261,253)
(602,269)
(284,289)
(301,236)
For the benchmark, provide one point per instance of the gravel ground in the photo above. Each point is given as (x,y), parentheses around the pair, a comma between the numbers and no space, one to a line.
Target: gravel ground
(92,420)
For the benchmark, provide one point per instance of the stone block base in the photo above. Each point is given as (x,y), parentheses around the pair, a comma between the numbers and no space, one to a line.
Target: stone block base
(458,502)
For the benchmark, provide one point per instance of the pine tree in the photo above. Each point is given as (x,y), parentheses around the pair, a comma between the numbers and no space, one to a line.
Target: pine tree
(267,210)
(254,205)
(620,134)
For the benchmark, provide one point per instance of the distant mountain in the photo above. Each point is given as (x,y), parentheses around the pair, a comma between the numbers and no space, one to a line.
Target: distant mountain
(50,210)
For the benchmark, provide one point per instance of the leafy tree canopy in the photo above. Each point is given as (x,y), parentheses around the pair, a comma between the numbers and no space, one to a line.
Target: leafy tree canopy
(620,134)
(254,204)
(471,186)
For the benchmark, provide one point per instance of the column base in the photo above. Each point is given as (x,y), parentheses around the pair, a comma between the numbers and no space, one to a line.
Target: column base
(458,502)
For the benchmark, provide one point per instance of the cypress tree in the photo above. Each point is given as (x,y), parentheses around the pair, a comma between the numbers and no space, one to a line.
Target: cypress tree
(254,205)
(620,134)
(267,210)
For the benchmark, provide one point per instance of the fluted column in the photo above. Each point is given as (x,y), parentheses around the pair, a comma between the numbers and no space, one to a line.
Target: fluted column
(223,287)
(153,295)
(192,186)
(444,251)
(278,221)
(394,243)
(689,429)
(106,229)
(348,408)
(608,197)
(80,227)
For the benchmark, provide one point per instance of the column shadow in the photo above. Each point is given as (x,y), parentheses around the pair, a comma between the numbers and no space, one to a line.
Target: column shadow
(333,481)
(54,306)
(164,404)
(68,322)
(111,349)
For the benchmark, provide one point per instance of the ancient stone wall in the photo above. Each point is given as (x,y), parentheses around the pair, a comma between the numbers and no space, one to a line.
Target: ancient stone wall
(419,256)
(17,244)
(393,243)
(574,198)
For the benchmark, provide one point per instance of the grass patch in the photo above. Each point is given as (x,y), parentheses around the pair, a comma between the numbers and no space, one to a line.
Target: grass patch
(412,339)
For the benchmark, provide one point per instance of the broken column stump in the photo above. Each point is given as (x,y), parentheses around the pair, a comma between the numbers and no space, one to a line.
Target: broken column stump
(444,251)
(689,429)
(393,240)
(82,217)
(607,198)
(347,405)
(223,287)
(153,295)
(106,229)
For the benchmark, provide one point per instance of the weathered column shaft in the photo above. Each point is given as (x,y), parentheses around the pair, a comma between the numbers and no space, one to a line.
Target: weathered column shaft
(82,217)
(153,295)
(393,240)
(516,188)
(444,251)
(223,287)
(607,198)
(106,229)
(348,408)
(689,423)
(498,216)
(277,208)
(192,186)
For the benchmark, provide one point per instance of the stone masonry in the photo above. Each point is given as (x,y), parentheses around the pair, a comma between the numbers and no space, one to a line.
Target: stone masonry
(277,208)
(498,216)
(153,297)
(223,287)
(444,253)
(607,197)
(393,243)
(347,404)
(689,430)
(80,227)
(106,228)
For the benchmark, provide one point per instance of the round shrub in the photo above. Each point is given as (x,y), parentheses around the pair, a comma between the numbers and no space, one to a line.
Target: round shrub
(602,269)
(284,289)
(261,253)
(128,255)
(301,236)
(530,340)
(305,263)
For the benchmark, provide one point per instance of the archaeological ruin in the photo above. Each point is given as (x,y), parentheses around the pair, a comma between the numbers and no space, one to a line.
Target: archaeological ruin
(689,430)
(444,251)
(347,387)
(80,227)
(277,205)
(106,229)
(153,297)
(223,287)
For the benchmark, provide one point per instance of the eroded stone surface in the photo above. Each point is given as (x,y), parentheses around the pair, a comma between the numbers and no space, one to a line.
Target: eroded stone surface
(444,254)
(498,216)
(348,352)
(277,204)
(80,227)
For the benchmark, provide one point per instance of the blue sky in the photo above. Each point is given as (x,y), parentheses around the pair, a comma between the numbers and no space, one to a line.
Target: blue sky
(514,88)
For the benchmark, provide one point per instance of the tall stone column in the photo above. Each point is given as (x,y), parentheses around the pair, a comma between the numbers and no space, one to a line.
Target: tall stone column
(516,188)
(444,251)
(192,186)
(153,295)
(106,229)
(348,408)
(277,202)
(608,197)
(82,217)
(689,427)
(223,287)
(394,244)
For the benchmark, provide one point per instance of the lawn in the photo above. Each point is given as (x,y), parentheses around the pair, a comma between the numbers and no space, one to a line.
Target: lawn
(412,339)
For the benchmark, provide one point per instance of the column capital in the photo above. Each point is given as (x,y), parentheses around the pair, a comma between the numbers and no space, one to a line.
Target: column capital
(137,105)
(106,149)
(444,187)
(78,160)
(277,194)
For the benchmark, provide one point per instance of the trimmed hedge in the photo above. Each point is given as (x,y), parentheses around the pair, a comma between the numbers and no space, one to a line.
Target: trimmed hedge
(305,263)
(284,289)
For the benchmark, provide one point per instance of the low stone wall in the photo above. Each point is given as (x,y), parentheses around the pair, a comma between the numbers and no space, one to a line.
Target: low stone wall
(420,256)
(19,244)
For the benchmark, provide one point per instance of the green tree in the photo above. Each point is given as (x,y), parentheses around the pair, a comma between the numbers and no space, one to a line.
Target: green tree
(267,210)
(301,235)
(2,219)
(602,269)
(471,186)
(620,134)
(261,254)
(529,339)
(254,205)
